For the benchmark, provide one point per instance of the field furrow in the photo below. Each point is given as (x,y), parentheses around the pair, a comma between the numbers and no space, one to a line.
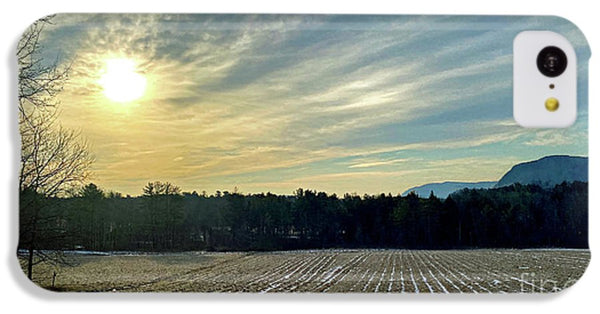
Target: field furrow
(333,271)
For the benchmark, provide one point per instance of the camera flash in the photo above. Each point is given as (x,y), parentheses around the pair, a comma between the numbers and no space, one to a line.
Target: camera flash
(552,104)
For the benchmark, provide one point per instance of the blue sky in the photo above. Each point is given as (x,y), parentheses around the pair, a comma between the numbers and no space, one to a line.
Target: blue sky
(364,104)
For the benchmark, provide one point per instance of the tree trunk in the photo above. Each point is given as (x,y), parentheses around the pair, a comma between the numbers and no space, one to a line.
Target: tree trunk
(32,246)
(30,262)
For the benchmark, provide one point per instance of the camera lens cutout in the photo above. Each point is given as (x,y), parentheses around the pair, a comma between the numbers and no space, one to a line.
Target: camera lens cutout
(552,61)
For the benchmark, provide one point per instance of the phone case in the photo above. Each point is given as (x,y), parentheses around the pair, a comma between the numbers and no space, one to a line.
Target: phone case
(293,153)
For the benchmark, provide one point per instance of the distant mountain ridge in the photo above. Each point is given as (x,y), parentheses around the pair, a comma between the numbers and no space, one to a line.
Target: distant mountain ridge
(443,189)
(546,172)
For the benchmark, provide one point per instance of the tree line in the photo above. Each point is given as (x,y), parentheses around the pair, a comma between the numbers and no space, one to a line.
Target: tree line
(166,219)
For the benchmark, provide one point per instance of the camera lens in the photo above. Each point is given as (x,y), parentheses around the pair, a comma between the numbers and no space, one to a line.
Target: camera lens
(552,61)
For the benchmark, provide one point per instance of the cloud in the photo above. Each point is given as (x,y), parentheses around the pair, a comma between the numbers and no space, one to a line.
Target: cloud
(554,138)
(371,164)
(276,101)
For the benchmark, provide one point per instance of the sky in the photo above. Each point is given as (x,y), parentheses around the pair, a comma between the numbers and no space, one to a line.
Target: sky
(342,104)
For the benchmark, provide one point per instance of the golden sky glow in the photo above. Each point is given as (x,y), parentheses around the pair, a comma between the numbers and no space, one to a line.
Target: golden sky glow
(273,104)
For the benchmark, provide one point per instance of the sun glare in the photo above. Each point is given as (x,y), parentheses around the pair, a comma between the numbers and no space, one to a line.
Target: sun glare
(121,82)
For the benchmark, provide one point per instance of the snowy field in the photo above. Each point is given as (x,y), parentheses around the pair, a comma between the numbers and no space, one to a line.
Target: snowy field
(381,271)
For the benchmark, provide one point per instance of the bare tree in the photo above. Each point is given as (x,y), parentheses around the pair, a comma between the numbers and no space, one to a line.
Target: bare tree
(53,159)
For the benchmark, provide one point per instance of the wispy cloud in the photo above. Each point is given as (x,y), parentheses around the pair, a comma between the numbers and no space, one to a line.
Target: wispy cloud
(371,164)
(275,102)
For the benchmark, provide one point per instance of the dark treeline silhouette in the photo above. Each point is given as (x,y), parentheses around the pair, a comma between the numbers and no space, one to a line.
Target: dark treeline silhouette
(166,219)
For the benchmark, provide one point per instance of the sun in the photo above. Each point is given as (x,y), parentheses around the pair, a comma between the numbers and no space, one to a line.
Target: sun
(121,81)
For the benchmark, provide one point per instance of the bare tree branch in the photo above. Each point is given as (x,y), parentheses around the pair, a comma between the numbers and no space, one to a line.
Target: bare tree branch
(54,160)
